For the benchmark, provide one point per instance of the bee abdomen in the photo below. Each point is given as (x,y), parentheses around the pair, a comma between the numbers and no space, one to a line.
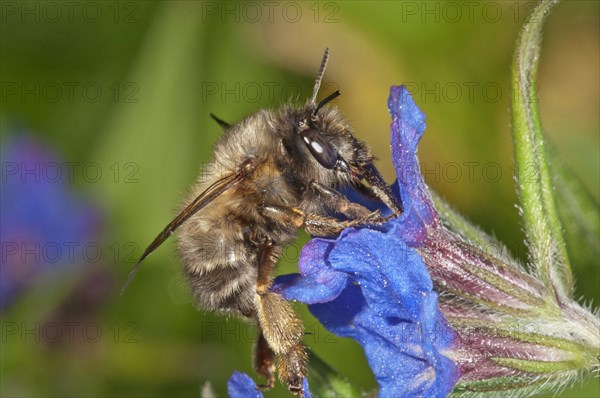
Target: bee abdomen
(222,273)
(225,289)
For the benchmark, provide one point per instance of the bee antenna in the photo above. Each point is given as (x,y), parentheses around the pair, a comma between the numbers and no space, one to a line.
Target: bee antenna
(325,100)
(320,75)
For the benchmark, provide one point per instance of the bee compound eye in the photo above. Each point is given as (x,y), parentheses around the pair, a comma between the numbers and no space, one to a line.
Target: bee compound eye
(320,148)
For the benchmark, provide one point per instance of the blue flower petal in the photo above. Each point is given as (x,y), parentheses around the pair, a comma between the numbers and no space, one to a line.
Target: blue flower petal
(41,215)
(392,312)
(317,282)
(240,385)
(305,389)
(408,125)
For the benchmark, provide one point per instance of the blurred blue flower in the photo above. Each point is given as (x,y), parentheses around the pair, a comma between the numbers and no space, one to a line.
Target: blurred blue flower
(373,286)
(44,223)
(240,385)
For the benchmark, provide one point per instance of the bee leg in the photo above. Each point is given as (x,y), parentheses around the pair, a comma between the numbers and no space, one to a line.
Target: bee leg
(280,327)
(224,125)
(315,224)
(335,201)
(264,356)
(264,362)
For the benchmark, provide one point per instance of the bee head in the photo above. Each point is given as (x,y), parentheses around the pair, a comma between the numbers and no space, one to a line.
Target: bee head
(327,136)
(329,140)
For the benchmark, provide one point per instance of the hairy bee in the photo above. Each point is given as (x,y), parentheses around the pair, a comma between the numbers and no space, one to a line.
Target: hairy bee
(271,174)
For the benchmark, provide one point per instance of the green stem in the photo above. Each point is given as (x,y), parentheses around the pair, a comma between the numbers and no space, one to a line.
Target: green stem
(536,196)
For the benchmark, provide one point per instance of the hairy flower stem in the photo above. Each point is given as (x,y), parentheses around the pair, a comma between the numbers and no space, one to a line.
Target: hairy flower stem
(515,336)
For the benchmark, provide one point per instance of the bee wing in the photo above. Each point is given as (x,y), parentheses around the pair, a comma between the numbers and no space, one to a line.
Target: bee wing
(212,192)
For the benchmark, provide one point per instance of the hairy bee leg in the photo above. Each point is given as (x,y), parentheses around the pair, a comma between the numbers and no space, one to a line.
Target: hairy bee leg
(315,224)
(283,332)
(335,201)
(280,326)
(264,359)
(264,362)
(291,367)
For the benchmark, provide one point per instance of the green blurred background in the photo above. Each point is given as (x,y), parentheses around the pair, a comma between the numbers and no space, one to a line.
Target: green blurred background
(136,83)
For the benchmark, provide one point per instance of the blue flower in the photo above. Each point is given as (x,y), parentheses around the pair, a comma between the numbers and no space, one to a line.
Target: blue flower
(373,286)
(240,385)
(44,223)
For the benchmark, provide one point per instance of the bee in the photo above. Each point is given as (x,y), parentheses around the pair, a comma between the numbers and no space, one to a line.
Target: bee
(271,174)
